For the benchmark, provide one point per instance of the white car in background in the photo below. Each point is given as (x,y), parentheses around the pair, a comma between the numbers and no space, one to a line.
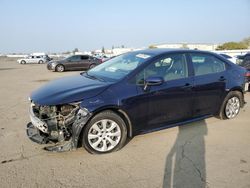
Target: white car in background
(230,58)
(33,59)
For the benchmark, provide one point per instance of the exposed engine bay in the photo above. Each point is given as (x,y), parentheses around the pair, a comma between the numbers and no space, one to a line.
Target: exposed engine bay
(59,124)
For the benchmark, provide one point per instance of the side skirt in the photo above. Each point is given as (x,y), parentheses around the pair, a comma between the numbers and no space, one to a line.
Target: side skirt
(175,124)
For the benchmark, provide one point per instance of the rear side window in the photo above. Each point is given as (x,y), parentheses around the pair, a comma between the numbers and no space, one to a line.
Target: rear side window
(206,64)
(84,57)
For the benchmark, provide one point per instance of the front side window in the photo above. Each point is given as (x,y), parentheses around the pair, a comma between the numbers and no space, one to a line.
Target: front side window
(171,67)
(206,64)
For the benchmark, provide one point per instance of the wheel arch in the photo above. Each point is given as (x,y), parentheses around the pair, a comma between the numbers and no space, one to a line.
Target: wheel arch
(59,64)
(91,64)
(239,89)
(121,113)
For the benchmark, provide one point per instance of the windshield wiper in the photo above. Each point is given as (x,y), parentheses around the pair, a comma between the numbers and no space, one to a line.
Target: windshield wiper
(92,76)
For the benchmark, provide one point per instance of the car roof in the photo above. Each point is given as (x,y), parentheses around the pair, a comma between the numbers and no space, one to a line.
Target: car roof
(160,51)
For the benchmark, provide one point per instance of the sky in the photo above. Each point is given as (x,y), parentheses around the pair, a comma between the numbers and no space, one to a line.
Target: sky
(61,25)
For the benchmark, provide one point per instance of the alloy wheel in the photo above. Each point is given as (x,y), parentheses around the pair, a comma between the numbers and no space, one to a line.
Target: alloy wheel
(232,107)
(104,135)
(60,68)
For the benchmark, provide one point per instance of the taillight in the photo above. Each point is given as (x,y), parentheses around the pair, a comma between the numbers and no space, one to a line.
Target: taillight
(247,74)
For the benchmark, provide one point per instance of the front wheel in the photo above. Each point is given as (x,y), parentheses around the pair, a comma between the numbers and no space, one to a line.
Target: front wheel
(40,62)
(60,68)
(105,133)
(231,105)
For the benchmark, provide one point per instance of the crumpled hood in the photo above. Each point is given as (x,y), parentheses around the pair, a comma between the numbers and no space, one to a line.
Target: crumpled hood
(68,90)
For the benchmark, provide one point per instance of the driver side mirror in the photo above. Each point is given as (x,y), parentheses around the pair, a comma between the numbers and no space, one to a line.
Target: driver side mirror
(153,81)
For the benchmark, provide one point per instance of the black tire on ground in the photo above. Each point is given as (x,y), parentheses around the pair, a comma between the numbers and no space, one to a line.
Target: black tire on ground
(230,95)
(111,118)
(60,68)
(23,62)
(92,66)
(40,62)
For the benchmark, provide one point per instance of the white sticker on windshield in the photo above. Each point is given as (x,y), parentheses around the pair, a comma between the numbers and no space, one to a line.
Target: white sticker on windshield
(111,69)
(143,56)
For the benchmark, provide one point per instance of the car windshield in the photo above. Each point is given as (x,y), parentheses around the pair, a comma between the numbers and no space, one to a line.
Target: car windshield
(118,67)
(68,58)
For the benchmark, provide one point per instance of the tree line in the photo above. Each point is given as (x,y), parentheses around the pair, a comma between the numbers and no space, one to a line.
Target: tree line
(244,44)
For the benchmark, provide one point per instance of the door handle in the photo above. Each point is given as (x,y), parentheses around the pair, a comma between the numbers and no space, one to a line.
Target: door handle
(187,86)
(222,79)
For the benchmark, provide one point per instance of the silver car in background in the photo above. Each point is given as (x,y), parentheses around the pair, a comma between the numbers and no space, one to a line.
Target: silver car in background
(34,59)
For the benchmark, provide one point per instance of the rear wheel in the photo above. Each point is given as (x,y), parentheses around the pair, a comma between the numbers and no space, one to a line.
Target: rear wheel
(105,133)
(23,62)
(92,66)
(60,68)
(231,105)
(40,62)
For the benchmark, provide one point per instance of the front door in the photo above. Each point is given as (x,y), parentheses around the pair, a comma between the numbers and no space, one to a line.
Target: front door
(171,101)
(73,62)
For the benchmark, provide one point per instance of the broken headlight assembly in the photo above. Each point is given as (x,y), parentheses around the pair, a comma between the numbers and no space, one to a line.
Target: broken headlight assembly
(54,123)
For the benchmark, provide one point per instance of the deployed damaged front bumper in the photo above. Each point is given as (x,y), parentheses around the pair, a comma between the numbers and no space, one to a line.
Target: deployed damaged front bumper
(41,125)
(38,130)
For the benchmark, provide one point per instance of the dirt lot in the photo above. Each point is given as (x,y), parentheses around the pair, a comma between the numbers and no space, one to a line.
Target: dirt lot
(209,153)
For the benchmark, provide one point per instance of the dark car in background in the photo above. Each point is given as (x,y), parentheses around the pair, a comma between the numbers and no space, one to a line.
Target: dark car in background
(74,62)
(245,56)
(245,62)
(230,58)
(135,93)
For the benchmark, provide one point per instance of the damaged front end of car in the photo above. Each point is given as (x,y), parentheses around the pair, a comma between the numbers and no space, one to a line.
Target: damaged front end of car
(59,126)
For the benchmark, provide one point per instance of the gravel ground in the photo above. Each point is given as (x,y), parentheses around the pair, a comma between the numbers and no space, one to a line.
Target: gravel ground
(209,153)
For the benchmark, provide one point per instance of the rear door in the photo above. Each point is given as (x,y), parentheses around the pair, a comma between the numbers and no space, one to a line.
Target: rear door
(84,62)
(37,59)
(209,83)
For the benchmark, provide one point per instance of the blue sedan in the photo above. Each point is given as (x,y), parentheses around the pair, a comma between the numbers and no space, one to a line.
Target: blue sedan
(135,93)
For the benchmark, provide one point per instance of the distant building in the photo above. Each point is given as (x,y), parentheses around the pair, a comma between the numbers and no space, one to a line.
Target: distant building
(118,51)
(113,52)
(38,54)
(83,53)
(199,46)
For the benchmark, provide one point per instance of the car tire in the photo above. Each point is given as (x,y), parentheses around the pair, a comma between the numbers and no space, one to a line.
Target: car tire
(23,62)
(231,106)
(106,132)
(92,66)
(40,62)
(60,68)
